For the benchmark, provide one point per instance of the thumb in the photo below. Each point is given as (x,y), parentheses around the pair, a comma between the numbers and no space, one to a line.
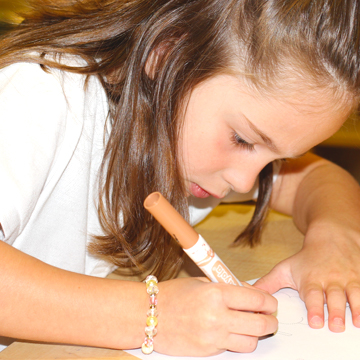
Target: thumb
(279,277)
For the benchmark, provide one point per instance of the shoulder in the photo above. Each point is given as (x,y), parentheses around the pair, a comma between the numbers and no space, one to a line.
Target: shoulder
(19,78)
(45,130)
(26,90)
(31,97)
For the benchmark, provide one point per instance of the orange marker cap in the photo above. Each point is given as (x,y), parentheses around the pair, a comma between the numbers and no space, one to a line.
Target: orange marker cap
(171,220)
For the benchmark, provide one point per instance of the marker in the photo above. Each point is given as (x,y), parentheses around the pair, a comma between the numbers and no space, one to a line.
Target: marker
(192,243)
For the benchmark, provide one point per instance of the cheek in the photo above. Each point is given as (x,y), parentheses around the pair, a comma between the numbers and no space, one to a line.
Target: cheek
(201,154)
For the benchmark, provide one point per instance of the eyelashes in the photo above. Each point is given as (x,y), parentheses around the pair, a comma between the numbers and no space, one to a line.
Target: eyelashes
(239,141)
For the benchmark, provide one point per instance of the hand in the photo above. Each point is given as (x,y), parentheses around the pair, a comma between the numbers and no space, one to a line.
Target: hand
(324,271)
(199,318)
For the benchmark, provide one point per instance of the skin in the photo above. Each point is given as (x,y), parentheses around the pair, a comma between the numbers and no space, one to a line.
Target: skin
(196,317)
(83,310)
(322,198)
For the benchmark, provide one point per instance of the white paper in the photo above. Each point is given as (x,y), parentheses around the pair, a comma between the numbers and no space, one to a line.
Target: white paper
(294,340)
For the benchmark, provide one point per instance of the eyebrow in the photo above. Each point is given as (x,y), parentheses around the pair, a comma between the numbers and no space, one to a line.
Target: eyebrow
(268,141)
(264,137)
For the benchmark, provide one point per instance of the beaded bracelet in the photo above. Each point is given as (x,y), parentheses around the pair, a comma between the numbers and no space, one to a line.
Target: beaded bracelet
(151,321)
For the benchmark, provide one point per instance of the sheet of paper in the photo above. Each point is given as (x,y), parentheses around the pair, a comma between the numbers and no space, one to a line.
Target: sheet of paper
(294,340)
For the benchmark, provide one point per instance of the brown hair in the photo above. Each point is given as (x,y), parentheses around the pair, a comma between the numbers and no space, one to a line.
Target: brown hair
(319,39)
(194,40)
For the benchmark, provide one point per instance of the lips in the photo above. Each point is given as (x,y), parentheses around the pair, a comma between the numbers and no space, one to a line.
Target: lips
(198,191)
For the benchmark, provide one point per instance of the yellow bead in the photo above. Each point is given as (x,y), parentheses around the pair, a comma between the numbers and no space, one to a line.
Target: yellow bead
(151,283)
(151,277)
(151,321)
(147,349)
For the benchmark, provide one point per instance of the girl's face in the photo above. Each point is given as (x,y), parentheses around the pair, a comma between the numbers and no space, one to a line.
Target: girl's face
(231,132)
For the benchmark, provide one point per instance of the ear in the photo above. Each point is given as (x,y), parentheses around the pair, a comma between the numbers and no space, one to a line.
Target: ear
(152,64)
(156,57)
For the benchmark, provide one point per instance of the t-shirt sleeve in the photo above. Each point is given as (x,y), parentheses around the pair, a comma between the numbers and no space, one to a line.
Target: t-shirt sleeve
(32,121)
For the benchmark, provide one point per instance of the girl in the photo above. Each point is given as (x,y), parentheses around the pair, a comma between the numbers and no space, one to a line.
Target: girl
(103,102)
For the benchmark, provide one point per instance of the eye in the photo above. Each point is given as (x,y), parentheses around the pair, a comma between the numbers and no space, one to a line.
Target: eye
(239,141)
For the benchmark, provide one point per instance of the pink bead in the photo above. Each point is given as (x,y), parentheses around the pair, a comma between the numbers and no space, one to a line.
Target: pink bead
(153,300)
(148,342)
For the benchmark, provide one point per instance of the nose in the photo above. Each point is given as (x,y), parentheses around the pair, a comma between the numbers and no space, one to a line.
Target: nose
(242,180)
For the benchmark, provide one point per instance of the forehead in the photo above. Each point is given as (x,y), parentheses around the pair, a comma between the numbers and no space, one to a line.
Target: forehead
(297,117)
(294,120)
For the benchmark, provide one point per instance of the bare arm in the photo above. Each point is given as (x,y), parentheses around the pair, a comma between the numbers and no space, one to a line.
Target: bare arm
(72,308)
(312,189)
(196,318)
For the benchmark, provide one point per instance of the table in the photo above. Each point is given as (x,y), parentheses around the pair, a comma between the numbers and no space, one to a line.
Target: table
(280,240)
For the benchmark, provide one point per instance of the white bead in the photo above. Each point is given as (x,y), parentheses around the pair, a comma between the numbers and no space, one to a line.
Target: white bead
(150,331)
(152,290)
(152,312)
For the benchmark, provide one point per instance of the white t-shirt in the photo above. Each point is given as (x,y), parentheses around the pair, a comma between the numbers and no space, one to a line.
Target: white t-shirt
(51,147)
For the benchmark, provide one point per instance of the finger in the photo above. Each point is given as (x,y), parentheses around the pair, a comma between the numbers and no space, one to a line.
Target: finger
(241,343)
(245,323)
(248,299)
(276,279)
(203,279)
(336,303)
(353,295)
(253,287)
(313,297)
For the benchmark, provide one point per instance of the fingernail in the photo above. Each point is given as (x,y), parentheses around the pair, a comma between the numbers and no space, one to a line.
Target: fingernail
(338,322)
(316,321)
(357,321)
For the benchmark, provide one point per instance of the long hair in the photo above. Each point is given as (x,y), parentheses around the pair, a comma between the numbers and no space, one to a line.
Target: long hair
(191,40)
